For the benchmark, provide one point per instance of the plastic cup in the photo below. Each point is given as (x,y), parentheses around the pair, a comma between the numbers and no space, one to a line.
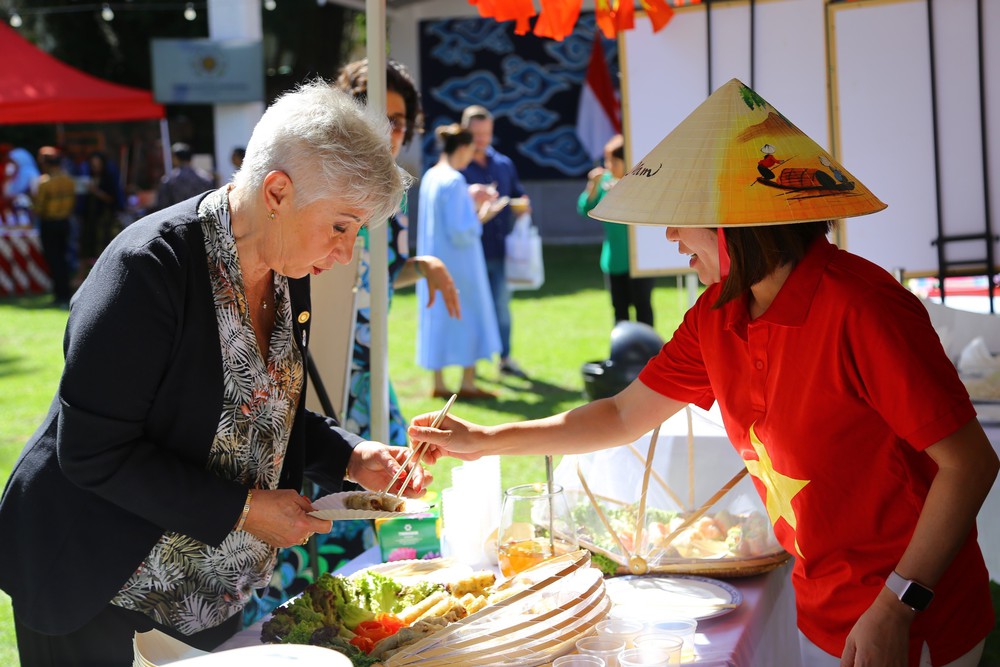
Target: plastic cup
(648,657)
(607,648)
(684,628)
(579,661)
(672,644)
(618,628)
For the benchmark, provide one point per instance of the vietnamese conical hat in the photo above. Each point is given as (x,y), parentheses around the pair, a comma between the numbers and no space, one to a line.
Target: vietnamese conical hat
(735,161)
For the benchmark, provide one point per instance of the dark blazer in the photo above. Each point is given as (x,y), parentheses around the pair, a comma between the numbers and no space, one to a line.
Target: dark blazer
(120,457)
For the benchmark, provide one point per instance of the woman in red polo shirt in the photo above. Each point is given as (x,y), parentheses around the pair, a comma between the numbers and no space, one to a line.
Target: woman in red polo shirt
(832,384)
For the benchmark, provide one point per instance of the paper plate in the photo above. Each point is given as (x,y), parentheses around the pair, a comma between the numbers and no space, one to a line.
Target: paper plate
(156,649)
(331,508)
(289,655)
(647,597)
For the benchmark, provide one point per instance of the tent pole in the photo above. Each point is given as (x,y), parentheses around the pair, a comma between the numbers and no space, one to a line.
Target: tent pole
(378,239)
(165,141)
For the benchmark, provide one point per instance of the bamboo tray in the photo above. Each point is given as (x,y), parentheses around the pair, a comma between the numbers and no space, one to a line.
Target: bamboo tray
(555,603)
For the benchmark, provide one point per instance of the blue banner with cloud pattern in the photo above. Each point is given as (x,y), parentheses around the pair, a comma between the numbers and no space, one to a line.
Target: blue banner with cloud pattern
(531,86)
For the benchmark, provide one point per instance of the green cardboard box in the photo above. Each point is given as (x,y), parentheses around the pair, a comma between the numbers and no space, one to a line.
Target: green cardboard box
(409,537)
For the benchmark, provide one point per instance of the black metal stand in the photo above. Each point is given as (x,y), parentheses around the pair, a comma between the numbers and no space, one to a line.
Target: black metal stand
(980,265)
(308,487)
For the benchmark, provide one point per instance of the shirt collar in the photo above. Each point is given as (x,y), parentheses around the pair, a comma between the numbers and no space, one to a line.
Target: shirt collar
(791,307)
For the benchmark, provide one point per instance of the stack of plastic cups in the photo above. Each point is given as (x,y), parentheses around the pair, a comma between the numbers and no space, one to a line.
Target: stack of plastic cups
(607,648)
(579,661)
(471,510)
(620,629)
(685,628)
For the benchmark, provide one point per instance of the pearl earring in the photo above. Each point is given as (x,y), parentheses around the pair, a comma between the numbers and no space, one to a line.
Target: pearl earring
(272,214)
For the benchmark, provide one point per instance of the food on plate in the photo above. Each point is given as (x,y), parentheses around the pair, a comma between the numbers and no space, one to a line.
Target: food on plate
(392,644)
(477,583)
(473,603)
(375,502)
(449,608)
(718,535)
(418,609)
(370,615)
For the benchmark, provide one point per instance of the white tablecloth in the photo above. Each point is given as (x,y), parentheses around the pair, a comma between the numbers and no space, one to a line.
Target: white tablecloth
(760,633)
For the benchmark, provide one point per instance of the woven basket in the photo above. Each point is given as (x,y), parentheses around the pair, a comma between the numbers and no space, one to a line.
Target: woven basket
(671,514)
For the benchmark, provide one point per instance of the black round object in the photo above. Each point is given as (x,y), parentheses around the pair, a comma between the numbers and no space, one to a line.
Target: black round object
(632,345)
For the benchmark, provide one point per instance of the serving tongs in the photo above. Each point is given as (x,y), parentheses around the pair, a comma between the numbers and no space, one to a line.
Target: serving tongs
(417,452)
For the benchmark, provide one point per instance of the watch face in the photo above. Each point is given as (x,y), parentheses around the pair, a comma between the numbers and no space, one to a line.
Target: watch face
(916,596)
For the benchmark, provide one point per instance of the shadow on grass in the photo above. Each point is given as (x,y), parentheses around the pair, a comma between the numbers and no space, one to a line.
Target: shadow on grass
(532,399)
(33,302)
(11,366)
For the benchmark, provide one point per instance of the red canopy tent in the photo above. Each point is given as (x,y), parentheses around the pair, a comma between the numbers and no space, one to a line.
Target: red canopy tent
(37,88)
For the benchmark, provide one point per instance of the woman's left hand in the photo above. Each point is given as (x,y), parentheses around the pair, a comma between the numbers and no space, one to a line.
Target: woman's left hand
(881,637)
(440,280)
(373,465)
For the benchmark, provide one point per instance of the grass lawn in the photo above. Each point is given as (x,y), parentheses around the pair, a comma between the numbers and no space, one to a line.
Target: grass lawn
(556,329)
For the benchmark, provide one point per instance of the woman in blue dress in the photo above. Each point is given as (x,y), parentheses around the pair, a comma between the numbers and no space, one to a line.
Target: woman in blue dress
(450,229)
(406,117)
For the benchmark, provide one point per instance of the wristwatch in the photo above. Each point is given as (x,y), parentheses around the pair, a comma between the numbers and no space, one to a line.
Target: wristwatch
(913,594)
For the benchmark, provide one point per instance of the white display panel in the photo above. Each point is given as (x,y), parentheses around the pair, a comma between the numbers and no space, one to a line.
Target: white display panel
(665,77)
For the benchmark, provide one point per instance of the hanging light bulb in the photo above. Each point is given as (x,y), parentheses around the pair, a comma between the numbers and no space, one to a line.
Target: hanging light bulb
(189,12)
(15,20)
(270,5)
(107,13)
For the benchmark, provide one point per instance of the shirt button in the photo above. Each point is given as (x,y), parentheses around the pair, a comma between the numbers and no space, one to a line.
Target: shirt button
(759,365)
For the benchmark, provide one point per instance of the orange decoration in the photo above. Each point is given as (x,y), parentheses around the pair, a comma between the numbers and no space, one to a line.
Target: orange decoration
(659,13)
(624,15)
(602,15)
(558,17)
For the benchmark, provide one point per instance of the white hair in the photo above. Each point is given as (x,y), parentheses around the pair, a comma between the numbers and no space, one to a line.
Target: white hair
(330,146)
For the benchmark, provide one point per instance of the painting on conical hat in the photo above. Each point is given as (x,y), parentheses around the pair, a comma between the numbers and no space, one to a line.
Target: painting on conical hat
(735,161)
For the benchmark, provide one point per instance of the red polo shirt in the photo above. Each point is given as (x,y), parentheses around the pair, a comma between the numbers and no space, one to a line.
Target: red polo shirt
(831,397)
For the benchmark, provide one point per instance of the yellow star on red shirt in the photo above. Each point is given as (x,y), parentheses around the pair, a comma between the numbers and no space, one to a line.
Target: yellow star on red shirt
(780,488)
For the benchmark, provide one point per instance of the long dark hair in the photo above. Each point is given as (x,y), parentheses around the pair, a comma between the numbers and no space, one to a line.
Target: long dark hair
(755,252)
(353,79)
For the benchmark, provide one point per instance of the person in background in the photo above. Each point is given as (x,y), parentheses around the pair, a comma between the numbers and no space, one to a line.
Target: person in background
(102,200)
(168,471)
(236,158)
(450,228)
(18,177)
(53,203)
(833,386)
(184,181)
(21,183)
(406,118)
(625,290)
(492,174)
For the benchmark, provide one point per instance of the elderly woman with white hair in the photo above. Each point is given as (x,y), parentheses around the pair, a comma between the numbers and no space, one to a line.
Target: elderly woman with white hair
(165,476)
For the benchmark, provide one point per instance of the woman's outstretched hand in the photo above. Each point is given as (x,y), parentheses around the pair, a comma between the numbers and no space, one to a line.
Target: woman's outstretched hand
(454,437)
